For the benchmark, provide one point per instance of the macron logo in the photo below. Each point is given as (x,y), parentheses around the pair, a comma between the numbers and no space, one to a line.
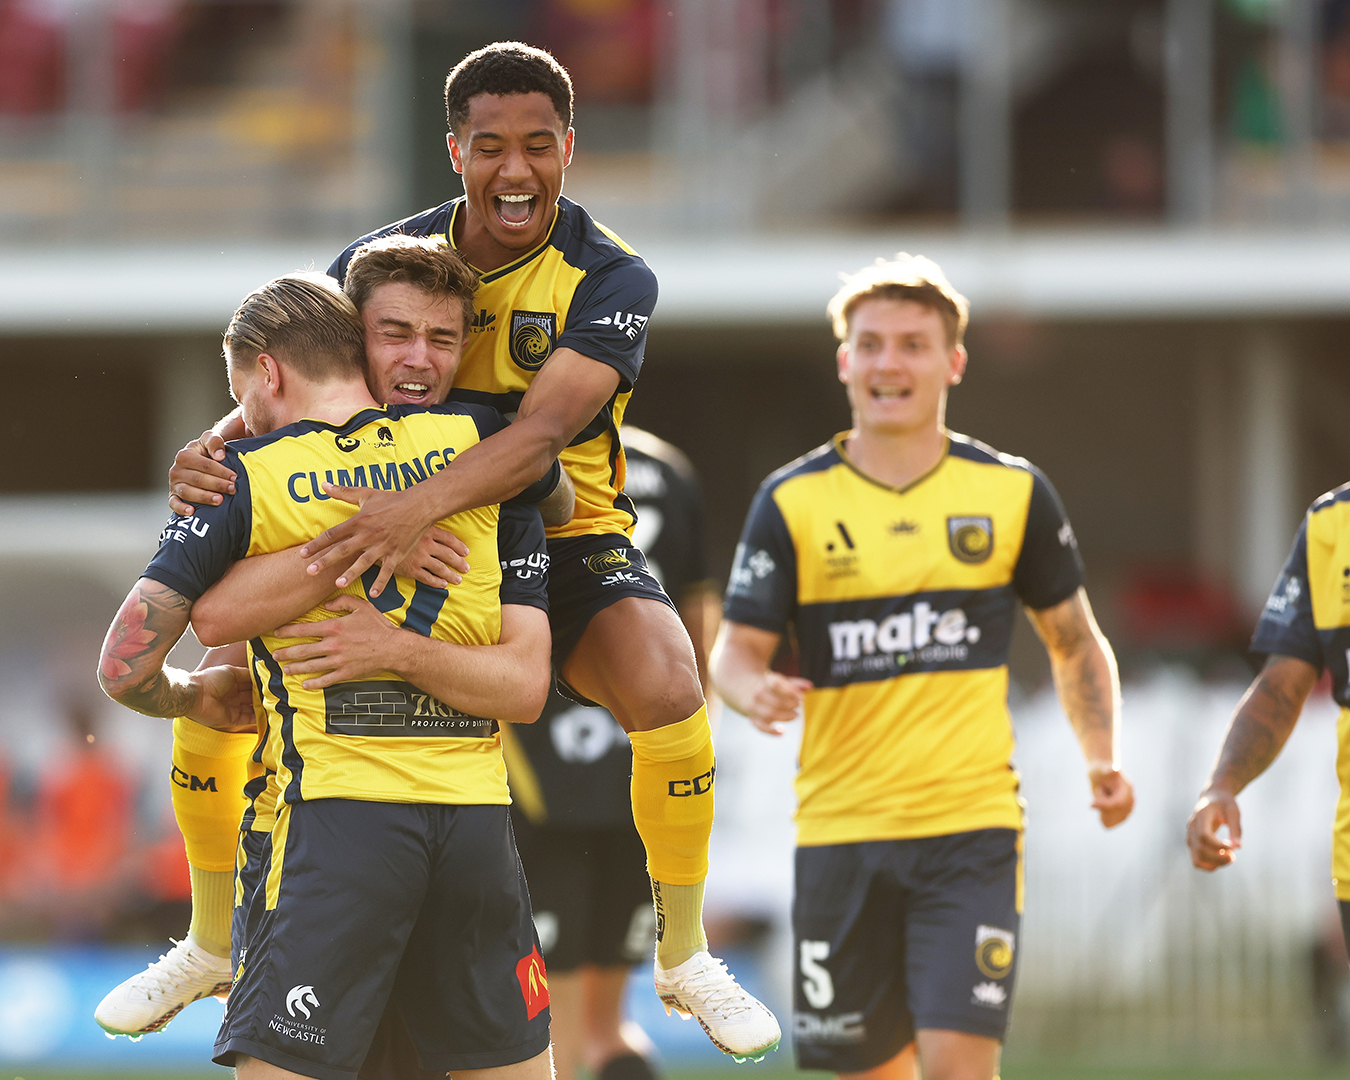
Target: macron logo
(300,997)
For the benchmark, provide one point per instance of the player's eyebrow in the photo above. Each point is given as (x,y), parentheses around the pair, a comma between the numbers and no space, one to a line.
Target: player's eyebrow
(404,324)
(538,133)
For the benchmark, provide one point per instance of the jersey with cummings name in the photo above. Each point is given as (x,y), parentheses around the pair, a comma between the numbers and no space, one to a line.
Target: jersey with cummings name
(379,739)
(582,288)
(902,601)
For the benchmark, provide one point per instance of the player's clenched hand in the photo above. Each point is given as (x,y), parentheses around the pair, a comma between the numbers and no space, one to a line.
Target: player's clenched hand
(1209,850)
(777,701)
(1112,793)
(197,475)
(385,531)
(358,645)
(224,698)
(439,559)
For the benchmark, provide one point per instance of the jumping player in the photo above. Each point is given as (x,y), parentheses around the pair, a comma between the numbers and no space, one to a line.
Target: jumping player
(897,555)
(383,791)
(569,777)
(1303,630)
(558,342)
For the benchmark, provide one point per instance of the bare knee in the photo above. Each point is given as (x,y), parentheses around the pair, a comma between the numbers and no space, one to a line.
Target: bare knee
(900,1067)
(957,1055)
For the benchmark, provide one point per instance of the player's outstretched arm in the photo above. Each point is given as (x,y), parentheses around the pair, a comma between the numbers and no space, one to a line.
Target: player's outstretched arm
(566,395)
(132,670)
(198,473)
(740,661)
(1084,669)
(1260,727)
(508,681)
(262,592)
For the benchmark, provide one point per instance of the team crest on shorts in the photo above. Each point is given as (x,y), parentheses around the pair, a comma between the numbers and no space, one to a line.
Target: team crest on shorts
(971,538)
(993,951)
(606,562)
(533,983)
(533,335)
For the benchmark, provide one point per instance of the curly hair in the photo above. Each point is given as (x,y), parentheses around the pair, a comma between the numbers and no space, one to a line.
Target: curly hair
(506,67)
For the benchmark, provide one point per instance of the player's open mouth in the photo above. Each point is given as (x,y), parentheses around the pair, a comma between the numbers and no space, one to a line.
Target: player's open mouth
(889,393)
(514,211)
(412,393)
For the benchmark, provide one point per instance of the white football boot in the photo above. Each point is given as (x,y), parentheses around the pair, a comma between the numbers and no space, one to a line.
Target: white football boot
(150,999)
(738,1023)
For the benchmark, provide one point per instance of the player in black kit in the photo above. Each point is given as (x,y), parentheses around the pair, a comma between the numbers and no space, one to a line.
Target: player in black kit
(572,812)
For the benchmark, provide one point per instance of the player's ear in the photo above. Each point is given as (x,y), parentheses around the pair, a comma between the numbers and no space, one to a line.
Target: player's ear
(568,140)
(271,373)
(841,359)
(957,365)
(452,144)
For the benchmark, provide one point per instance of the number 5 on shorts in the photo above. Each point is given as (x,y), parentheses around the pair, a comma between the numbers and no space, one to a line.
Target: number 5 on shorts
(816,982)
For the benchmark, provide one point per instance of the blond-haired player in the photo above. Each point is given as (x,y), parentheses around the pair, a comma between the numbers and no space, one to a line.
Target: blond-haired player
(899,553)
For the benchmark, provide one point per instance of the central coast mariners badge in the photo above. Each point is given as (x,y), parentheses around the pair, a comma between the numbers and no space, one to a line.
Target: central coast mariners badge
(533,335)
(993,951)
(971,538)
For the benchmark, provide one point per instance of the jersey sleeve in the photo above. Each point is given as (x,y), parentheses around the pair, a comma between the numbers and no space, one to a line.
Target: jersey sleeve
(524,556)
(1286,625)
(542,488)
(195,552)
(1049,569)
(762,591)
(607,320)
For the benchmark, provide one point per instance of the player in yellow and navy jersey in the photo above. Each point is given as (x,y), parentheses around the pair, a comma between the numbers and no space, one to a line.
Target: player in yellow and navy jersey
(391,835)
(1303,631)
(897,556)
(558,341)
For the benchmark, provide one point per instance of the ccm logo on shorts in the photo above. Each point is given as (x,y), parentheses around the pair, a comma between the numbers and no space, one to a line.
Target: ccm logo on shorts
(699,785)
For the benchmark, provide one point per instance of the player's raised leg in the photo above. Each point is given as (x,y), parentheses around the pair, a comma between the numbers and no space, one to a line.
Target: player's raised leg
(654,693)
(207,779)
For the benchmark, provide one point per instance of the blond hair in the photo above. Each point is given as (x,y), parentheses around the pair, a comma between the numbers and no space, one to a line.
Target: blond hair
(906,277)
(422,261)
(303,320)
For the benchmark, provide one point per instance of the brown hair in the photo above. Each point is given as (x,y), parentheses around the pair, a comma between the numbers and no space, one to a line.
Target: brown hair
(502,68)
(906,277)
(303,320)
(427,263)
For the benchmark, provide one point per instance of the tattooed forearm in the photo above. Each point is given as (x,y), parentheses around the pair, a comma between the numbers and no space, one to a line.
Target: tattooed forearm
(1084,670)
(1263,721)
(131,668)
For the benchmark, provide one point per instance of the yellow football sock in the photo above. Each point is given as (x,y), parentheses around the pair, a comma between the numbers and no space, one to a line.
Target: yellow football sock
(679,922)
(212,901)
(673,770)
(210,769)
(672,790)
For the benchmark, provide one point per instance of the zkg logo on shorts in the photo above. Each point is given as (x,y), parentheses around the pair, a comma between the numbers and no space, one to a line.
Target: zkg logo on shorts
(699,785)
(993,951)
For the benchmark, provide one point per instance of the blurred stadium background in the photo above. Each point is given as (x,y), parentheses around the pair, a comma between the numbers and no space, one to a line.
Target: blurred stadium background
(1148,204)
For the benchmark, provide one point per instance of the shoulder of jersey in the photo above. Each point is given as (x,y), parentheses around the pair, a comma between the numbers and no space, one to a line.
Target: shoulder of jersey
(1330,499)
(426,223)
(640,443)
(584,242)
(968,449)
(818,460)
(308,427)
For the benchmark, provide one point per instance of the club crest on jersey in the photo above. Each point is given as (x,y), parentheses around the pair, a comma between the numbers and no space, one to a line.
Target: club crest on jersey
(971,539)
(533,335)
(606,562)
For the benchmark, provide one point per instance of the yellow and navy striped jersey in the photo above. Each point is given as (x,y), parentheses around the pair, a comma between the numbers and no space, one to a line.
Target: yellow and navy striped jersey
(1308,617)
(582,288)
(902,601)
(378,739)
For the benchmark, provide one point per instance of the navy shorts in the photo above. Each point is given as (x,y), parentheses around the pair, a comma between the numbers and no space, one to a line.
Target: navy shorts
(591,894)
(586,574)
(896,935)
(358,905)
